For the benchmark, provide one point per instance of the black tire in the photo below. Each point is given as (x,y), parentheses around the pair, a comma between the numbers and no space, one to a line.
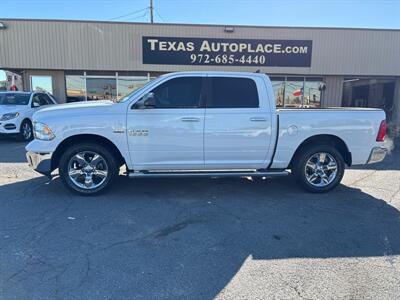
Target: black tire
(105,154)
(300,171)
(25,131)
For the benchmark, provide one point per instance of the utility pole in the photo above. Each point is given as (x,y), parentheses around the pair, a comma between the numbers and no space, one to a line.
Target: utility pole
(151,11)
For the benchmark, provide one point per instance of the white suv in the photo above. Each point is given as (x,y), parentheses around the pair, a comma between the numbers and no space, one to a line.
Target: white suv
(16,110)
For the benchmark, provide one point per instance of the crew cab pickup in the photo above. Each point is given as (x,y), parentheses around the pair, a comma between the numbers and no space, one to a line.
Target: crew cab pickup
(203,124)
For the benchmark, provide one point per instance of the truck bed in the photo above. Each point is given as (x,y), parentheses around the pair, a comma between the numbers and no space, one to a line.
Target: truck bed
(357,127)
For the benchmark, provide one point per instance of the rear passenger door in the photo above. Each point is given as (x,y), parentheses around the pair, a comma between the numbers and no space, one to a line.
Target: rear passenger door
(237,129)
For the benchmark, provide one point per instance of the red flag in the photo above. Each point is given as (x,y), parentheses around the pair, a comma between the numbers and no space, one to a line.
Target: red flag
(298,93)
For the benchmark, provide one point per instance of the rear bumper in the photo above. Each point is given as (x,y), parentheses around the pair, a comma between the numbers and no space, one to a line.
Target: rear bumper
(377,154)
(40,162)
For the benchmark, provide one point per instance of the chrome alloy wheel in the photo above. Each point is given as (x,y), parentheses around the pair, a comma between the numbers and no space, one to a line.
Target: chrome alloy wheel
(87,170)
(321,169)
(26,131)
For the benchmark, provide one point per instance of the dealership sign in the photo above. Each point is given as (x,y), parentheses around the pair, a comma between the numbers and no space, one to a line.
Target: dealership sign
(226,52)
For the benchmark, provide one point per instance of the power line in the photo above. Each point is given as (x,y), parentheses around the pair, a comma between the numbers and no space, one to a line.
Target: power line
(138,17)
(158,14)
(150,9)
(127,15)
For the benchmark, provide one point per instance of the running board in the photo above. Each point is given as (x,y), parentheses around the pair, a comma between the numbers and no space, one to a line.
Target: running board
(208,174)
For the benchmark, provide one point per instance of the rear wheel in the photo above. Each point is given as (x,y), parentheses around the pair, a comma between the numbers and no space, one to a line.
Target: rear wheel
(26,131)
(318,168)
(88,169)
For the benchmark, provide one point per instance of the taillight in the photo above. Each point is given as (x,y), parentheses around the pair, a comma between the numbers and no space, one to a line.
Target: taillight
(382,132)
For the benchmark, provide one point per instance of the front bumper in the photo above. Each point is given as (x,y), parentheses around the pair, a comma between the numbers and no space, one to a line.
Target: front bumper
(8,128)
(8,134)
(377,154)
(40,162)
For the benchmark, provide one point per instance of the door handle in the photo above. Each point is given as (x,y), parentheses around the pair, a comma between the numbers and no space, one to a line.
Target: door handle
(258,119)
(190,119)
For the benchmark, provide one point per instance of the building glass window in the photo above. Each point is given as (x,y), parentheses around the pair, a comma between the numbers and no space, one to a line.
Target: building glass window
(278,85)
(101,89)
(294,88)
(297,92)
(76,88)
(127,85)
(370,92)
(42,83)
(312,93)
(90,87)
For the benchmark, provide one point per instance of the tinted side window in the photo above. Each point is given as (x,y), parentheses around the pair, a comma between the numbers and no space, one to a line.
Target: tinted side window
(36,100)
(182,92)
(46,99)
(229,92)
(42,100)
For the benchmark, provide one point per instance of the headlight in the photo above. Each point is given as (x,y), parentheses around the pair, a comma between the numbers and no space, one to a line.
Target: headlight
(43,132)
(9,116)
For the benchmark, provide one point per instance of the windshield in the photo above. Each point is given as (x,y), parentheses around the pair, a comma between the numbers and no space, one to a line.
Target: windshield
(14,99)
(136,91)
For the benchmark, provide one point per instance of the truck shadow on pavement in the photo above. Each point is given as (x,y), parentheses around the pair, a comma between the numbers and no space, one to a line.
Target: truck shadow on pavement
(176,238)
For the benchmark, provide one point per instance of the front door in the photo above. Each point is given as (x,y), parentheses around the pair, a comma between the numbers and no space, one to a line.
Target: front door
(237,130)
(169,135)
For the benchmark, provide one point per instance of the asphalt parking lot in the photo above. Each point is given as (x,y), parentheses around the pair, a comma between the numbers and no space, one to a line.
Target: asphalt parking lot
(199,238)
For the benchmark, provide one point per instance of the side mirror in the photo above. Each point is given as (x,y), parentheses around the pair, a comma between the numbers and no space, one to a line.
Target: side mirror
(147,101)
(35,104)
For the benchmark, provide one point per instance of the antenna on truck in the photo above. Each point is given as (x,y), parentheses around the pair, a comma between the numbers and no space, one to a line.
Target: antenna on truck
(258,71)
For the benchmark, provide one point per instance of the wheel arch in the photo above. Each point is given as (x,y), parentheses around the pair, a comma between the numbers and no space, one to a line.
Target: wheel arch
(325,139)
(91,138)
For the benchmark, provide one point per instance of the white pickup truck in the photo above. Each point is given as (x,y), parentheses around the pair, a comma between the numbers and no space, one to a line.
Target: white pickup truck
(203,124)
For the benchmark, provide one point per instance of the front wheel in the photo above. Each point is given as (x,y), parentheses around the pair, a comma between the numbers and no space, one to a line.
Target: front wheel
(318,168)
(88,169)
(26,131)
